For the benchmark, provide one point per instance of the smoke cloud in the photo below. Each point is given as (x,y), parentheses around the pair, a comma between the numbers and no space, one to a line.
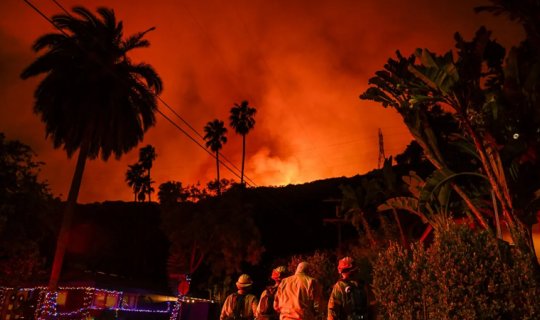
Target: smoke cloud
(302,64)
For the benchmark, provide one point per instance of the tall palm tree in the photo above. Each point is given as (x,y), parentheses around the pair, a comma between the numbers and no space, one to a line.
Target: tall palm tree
(215,137)
(242,120)
(134,178)
(93,98)
(147,155)
(146,188)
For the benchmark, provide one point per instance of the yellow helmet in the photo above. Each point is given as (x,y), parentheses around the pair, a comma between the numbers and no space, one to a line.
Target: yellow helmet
(244,281)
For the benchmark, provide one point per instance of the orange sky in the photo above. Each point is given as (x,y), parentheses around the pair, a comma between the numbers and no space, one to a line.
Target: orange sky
(301,63)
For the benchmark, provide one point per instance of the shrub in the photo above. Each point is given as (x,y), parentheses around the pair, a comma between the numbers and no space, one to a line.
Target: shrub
(463,275)
(397,285)
(466,271)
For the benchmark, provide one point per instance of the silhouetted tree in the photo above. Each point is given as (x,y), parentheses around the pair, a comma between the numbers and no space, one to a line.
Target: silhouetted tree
(223,185)
(230,238)
(242,120)
(27,220)
(496,108)
(171,192)
(135,179)
(196,192)
(147,155)
(93,98)
(215,137)
(146,188)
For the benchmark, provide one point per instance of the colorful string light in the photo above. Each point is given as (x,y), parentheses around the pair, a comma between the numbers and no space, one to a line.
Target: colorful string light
(47,304)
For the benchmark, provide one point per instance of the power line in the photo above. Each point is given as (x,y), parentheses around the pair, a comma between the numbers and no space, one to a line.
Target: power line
(42,14)
(167,118)
(61,7)
(271,202)
(223,157)
(176,114)
(198,134)
(196,142)
(180,117)
(226,67)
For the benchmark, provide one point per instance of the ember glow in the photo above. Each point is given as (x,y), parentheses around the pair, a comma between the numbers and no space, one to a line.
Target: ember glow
(302,64)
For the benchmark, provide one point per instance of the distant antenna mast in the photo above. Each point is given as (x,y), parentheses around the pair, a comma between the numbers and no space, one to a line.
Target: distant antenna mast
(381,150)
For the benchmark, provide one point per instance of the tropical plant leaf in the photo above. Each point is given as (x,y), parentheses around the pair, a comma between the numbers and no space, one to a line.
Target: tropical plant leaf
(420,75)
(464,145)
(426,58)
(408,204)
(414,183)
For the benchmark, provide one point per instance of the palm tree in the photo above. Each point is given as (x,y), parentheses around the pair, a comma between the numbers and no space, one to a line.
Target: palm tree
(242,120)
(215,137)
(147,155)
(146,188)
(92,98)
(134,178)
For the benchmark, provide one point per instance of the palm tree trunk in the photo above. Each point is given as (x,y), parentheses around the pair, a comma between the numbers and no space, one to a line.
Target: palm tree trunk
(218,180)
(243,159)
(63,236)
(484,151)
(491,162)
(149,186)
(438,165)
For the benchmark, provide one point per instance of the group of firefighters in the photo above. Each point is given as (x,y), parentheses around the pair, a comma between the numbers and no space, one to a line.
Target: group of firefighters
(298,297)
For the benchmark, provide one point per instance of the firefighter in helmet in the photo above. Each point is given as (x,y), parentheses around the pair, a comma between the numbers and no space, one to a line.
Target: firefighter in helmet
(348,300)
(265,310)
(241,304)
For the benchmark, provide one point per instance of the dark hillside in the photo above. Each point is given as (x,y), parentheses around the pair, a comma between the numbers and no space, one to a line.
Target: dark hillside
(291,218)
(126,239)
(119,239)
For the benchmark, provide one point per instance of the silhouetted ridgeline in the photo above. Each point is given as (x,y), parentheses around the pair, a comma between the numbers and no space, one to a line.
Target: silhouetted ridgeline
(125,239)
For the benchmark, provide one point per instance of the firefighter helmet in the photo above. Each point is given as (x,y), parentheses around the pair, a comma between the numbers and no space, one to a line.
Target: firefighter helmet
(278,273)
(244,281)
(346,265)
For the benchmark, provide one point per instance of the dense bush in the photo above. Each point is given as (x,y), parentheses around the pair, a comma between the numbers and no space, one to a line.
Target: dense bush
(464,274)
(28,215)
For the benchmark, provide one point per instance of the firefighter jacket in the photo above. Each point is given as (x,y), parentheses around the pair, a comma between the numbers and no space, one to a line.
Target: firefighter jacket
(348,301)
(265,310)
(298,297)
(239,306)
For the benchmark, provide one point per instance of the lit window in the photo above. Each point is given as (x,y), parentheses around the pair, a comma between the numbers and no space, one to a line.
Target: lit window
(111,301)
(61,298)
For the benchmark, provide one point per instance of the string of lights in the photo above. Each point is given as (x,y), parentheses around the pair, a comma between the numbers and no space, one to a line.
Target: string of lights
(48,306)
(176,312)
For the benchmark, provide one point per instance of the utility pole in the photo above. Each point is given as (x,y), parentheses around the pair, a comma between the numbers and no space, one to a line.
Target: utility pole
(338,222)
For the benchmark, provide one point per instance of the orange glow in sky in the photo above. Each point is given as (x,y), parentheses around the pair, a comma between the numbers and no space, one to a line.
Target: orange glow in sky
(302,64)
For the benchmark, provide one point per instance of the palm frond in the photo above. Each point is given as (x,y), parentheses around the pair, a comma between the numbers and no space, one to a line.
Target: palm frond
(87,15)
